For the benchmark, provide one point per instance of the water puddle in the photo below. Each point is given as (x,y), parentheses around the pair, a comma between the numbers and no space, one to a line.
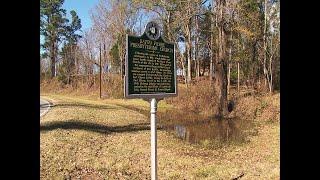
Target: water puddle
(198,129)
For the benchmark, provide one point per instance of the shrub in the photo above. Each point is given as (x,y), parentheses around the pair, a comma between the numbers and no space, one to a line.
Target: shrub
(112,86)
(197,97)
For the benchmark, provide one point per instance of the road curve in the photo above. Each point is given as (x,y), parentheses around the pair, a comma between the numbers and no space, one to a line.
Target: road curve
(44,107)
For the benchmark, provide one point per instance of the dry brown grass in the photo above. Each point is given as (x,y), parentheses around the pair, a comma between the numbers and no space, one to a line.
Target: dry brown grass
(112,86)
(83,137)
(197,98)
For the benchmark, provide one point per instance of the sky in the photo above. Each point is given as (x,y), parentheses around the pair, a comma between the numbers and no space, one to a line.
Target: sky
(82,7)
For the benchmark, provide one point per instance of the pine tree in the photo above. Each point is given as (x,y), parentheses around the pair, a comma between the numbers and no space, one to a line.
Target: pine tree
(52,26)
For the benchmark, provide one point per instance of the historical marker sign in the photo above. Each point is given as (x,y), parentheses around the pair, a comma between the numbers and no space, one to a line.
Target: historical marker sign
(150,65)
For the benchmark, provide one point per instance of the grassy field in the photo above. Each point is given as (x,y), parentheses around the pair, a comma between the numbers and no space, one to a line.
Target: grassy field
(84,137)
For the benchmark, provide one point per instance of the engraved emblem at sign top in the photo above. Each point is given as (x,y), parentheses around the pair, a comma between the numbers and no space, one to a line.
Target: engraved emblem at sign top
(153,31)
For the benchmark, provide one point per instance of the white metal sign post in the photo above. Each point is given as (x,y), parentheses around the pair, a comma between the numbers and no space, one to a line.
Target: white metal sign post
(150,74)
(154,161)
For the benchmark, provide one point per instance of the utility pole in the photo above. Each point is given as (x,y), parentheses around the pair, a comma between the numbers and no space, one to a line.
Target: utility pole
(100,71)
(104,55)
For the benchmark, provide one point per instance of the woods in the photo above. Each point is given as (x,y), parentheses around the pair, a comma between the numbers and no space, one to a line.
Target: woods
(230,43)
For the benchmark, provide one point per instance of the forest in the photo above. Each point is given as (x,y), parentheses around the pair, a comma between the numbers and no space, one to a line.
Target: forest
(229,43)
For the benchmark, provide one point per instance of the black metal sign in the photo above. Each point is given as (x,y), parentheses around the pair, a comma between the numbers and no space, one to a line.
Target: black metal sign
(150,65)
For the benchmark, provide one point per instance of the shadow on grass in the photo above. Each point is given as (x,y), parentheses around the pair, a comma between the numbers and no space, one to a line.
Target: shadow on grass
(45,105)
(94,127)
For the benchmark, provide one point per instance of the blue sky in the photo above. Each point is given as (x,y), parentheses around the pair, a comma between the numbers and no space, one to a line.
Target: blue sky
(82,7)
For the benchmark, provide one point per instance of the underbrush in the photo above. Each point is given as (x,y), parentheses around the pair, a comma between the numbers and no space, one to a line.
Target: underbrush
(196,98)
(112,86)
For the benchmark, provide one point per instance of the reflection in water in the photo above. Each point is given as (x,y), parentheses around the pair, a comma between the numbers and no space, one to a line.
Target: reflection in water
(195,129)
(181,131)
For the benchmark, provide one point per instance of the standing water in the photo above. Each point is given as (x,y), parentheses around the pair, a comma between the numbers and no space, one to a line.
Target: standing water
(196,129)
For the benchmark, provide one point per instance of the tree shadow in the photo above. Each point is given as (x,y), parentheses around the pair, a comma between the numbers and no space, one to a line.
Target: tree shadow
(94,127)
(45,105)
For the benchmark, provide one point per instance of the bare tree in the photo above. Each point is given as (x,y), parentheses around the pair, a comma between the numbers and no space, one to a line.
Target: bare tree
(220,71)
(114,19)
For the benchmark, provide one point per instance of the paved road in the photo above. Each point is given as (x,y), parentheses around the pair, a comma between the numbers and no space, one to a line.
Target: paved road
(44,106)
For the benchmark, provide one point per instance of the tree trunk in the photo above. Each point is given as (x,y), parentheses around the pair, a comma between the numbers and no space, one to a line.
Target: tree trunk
(197,49)
(265,44)
(195,62)
(229,63)
(238,77)
(220,72)
(229,71)
(76,63)
(53,59)
(204,68)
(215,60)
(168,26)
(182,63)
(121,61)
(188,48)
(270,69)
(212,43)
(189,64)
(183,69)
(270,80)
(198,68)
(211,66)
